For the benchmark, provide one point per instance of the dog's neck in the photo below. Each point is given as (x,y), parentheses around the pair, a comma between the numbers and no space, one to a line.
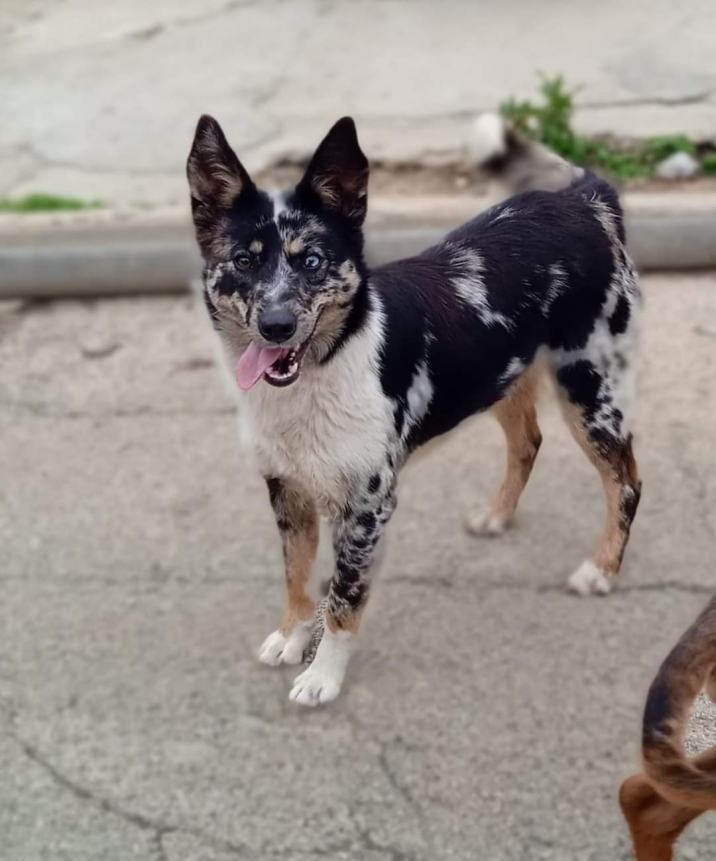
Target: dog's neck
(353,321)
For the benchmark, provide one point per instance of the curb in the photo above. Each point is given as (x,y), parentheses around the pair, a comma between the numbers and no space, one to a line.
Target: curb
(112,252)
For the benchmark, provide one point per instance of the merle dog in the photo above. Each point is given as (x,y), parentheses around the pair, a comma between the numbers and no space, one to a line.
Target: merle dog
(345,371)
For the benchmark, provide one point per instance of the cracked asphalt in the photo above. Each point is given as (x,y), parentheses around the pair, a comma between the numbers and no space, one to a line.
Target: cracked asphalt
(487,714)
(107,112)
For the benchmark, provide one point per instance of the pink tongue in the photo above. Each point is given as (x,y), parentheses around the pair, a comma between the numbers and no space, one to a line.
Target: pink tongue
(254,363)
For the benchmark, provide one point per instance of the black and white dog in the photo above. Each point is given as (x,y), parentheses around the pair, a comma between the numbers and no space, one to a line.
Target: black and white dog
(346,371)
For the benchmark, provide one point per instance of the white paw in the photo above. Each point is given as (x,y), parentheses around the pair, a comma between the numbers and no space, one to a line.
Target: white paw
(589,580)
(280,649)
(272,649)
(322,681)
(315,686)
(485,523)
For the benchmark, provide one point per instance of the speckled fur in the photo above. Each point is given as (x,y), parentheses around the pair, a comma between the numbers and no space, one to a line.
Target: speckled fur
(402,354)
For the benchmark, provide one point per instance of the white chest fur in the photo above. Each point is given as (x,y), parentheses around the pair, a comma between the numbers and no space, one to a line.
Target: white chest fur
(333,425)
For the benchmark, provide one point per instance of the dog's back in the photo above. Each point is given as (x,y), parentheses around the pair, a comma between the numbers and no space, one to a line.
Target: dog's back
(543,269)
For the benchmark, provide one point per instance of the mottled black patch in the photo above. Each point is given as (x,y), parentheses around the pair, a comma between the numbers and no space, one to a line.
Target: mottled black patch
(658,710)
(275,487)
(374,483)
(355,538)
(620,317)
(629,503)
(581,382)
(404,344)
(277,497)
(349,592)
(366,519)
(359,307)
(213,313)
(399,416)
(228,284)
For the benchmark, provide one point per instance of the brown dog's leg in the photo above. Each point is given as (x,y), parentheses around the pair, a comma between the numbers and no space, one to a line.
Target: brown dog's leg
(614,460)
(517,416)
(297,522)
(654,822)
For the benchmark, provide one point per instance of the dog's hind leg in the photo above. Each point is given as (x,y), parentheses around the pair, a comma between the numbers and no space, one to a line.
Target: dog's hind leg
(297,521)
(655,823)
(517,416)
(593,414)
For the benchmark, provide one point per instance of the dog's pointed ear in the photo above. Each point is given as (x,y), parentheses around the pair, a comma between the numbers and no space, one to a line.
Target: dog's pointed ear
(338,172)
(216,176)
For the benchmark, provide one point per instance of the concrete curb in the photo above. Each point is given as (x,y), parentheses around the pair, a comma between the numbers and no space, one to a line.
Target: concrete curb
(109,252)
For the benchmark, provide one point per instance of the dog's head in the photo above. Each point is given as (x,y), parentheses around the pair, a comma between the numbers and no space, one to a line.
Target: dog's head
(283,272)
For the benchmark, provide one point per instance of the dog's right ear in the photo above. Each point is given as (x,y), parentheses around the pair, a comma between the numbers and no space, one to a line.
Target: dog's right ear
(216,176)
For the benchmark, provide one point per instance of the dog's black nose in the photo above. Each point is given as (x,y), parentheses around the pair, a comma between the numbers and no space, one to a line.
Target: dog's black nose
(277,324)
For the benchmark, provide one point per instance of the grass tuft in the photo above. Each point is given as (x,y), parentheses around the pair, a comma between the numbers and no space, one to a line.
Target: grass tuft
(708,163)
(41,202)
(550,122)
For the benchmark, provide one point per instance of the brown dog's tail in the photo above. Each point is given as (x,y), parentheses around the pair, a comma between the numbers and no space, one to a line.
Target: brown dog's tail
(519,163)
(683,674)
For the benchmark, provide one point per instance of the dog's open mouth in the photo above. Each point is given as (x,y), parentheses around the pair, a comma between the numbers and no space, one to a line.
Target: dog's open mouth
(279,366)
(285,369)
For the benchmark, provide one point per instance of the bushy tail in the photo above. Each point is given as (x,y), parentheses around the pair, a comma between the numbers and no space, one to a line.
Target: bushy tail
(519,163)
(690,665)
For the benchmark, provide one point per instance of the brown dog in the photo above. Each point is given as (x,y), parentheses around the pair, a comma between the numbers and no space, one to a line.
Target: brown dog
(671,791)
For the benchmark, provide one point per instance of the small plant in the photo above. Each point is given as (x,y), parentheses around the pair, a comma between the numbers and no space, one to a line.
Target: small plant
(550,122)
(708,163)
(659,148)
(41,202)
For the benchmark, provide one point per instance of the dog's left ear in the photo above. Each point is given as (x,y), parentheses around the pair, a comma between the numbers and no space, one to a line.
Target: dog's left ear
(338,172)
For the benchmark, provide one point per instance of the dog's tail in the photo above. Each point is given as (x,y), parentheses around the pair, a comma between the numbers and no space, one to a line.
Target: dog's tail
(519,163)
(686,670)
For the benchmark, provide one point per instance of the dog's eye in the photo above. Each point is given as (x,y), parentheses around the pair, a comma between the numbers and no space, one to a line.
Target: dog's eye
(312,262)
(243,260)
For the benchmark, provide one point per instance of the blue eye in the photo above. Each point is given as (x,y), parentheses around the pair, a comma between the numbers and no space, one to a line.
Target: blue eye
(312,262)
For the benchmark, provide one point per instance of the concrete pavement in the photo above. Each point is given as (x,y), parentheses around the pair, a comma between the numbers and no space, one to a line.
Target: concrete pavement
(103,98)
(487,715)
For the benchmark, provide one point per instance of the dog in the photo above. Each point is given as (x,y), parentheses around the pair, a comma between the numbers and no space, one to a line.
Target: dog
(345,371)
(672,790)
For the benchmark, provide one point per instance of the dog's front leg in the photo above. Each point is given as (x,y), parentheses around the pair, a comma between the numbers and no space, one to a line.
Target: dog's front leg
(357,533)
(297,522)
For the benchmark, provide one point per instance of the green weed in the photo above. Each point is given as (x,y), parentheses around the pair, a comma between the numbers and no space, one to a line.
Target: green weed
(550,122)
(708,163)
(41,202)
